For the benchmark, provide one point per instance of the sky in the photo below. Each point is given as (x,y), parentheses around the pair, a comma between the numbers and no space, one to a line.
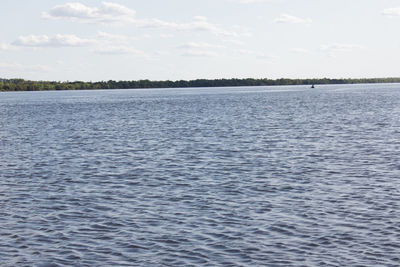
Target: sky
(91,40)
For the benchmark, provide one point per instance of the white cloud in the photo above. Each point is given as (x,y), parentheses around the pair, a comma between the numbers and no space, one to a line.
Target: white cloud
(23,67)
(116,9)
(246,52)
(250,1)
(257,55)
(299,50)
(197,24)
(119,50)
(106,13)
(235,42)
(392,12)
(164,35)
(116,13)
(194,45)
(200,18)
(333,49)
(7,47)
(285,18)
(103,43)
(246,1)
(115,38)
(242,31)
(266,57)
(204,25)
(340,47)
(200,49)
(197,53)
(59,40)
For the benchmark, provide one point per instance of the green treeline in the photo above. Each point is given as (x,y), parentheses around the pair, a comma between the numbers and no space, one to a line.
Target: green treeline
(26,85)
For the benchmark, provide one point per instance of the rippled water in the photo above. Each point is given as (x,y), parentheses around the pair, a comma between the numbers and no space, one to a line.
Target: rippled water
(261,176)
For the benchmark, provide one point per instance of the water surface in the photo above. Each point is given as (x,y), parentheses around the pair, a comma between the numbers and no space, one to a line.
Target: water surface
(248,176)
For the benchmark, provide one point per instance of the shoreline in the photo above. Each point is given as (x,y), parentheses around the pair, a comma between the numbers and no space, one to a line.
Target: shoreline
(20,85)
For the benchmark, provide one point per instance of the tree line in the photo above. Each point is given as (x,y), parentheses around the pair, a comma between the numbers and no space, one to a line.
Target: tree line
(27,85)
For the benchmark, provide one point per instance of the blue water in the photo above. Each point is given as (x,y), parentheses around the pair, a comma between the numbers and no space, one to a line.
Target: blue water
(251,176)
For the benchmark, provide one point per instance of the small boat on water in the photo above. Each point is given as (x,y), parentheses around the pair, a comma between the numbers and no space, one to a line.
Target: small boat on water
(312,86)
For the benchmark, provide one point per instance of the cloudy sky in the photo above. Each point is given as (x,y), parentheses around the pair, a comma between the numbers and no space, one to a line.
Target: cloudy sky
(95,40)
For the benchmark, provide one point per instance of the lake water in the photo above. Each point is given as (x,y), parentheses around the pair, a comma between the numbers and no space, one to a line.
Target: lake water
(249,176)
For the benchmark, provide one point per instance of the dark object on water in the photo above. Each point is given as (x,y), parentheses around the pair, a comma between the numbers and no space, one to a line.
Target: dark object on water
(312,86)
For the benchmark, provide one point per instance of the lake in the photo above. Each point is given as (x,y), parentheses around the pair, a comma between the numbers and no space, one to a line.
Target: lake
(246,176)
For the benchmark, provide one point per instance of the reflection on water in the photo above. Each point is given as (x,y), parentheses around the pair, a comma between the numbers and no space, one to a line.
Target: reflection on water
(218,176)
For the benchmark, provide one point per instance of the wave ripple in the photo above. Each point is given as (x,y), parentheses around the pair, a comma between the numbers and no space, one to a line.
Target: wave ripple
(213,177)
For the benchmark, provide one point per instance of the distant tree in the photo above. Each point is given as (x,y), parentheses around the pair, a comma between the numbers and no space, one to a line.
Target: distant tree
(24,85)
